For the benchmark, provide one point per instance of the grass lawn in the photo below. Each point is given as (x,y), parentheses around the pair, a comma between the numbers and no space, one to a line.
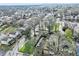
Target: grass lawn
(27,47)
(9,29)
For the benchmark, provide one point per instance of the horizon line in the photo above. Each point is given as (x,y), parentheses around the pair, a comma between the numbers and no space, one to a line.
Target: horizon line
(33,3)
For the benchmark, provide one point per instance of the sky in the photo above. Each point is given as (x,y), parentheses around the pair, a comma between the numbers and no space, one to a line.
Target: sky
(34,2)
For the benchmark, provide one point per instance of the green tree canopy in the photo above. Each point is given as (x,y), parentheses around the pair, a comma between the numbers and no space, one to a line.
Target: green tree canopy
(69,34)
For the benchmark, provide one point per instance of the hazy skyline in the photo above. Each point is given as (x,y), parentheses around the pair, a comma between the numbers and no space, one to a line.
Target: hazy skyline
(20,3)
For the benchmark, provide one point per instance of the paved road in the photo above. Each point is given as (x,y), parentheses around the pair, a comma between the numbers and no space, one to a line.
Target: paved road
(14,51)
(2,53)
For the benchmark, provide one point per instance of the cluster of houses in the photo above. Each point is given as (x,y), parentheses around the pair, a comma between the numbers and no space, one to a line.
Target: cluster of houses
(9,39)
(39,21)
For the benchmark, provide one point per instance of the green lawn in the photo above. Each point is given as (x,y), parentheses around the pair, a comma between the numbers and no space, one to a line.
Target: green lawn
(9,29)
(27,47)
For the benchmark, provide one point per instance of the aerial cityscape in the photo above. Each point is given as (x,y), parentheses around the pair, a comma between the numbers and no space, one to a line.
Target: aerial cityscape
(39,30)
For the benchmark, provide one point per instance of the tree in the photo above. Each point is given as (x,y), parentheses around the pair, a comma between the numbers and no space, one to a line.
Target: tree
(27,33)
(55,27)
(69,34)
